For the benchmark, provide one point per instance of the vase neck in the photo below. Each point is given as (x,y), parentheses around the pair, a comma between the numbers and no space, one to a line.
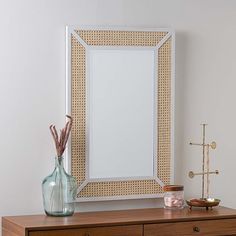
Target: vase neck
(59,162)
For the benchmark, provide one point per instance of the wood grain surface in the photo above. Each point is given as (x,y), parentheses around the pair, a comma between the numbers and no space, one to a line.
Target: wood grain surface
(151,220)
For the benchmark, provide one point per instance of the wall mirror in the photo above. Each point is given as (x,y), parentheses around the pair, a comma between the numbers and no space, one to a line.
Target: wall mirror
(120,94)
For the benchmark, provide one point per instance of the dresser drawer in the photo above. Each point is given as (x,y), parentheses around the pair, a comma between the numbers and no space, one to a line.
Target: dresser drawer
(133,230)
(204,228)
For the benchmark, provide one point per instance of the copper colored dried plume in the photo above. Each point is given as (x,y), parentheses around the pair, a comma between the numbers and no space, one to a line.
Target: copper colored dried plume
(60,141)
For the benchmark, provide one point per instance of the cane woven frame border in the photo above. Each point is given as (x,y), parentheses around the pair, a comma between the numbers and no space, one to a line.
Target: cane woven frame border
(163,40)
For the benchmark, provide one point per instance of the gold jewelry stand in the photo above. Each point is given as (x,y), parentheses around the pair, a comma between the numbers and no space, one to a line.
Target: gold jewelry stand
(204,201)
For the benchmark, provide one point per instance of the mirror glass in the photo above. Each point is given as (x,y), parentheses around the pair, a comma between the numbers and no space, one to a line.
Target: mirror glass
(121,112)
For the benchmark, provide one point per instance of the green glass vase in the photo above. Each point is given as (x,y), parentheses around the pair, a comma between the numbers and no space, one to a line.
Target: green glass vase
(59,191)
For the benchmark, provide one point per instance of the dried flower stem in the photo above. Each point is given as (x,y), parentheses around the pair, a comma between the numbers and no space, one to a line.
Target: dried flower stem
(60,142)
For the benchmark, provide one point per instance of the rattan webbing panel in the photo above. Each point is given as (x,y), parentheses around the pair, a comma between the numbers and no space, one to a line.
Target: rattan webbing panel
(164,112)
(120,188)
(78,110)
(120,38)
(114,189)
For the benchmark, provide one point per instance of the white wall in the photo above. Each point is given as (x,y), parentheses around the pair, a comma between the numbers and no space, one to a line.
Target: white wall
(32,88)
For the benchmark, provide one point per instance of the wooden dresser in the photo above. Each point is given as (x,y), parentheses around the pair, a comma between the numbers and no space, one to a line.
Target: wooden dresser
(143,222)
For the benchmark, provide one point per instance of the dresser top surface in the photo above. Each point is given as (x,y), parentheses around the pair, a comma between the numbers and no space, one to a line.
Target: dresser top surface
(122,217)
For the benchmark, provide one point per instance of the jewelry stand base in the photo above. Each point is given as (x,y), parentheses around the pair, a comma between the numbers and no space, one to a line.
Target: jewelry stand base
(203,202)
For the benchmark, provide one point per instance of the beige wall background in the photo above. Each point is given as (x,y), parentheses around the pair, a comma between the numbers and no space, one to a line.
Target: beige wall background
(32,89)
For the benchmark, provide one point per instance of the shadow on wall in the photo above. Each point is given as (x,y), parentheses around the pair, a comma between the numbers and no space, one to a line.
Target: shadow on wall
(119,205)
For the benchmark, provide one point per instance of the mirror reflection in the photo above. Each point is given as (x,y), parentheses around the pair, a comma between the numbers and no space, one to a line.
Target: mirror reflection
(122,110)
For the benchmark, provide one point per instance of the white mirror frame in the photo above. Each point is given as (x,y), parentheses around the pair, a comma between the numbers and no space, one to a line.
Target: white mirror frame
(73,32)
